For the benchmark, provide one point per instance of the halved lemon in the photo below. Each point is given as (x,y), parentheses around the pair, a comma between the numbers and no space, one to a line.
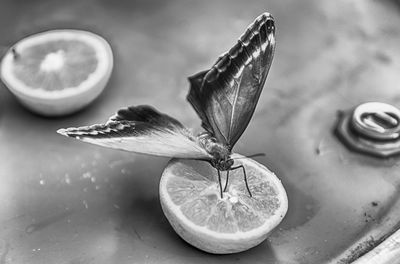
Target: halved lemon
(191,201)
(57,72)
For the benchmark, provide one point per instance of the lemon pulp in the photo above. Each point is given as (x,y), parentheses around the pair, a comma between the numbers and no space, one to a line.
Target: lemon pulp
(190,198)
(199,200)
(56,65)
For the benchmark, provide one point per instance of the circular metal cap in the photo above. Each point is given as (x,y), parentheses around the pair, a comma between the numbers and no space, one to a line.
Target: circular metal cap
(371,128)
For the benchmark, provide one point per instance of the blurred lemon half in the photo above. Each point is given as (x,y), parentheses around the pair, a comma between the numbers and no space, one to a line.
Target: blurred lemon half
(57,72)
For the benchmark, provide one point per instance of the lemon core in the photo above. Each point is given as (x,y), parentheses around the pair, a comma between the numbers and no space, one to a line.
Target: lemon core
(53,61)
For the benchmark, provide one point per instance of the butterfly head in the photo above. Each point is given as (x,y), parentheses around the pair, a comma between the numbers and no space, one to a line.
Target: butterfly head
(222,164)
(221,157)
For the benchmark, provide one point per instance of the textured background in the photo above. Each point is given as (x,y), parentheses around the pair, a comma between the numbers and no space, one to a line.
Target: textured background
(62,201)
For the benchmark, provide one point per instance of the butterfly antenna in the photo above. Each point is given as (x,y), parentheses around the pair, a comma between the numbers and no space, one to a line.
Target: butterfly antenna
(251,156)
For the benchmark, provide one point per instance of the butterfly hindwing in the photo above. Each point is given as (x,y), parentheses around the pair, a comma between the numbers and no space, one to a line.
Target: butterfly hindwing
(225,96)
(142,129)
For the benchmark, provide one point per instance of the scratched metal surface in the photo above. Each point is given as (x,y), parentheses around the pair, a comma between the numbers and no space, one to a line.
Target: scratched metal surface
(62,201)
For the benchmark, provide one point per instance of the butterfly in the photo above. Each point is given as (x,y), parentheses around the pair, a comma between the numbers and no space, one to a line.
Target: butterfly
(224,97)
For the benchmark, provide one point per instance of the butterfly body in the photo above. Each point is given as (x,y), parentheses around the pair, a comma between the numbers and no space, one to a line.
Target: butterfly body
(224,97)
(221,155)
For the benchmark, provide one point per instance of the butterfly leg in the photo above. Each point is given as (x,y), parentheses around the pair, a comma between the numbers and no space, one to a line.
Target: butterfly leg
(226,181)
(220,184)
(245,177)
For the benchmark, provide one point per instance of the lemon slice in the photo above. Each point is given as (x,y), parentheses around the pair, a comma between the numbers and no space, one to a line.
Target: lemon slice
(57,72)
(191,201)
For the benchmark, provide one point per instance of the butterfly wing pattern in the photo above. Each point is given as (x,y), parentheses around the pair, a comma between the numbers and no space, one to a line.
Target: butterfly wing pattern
(142,129)
(225,96)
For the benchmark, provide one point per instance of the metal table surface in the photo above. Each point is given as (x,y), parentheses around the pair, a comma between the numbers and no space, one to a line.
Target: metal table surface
(62,201)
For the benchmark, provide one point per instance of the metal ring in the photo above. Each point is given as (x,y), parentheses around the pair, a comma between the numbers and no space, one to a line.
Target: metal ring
(377,121)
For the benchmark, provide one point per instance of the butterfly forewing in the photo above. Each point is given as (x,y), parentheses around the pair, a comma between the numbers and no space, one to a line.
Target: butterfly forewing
(225,96)
(142,129)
